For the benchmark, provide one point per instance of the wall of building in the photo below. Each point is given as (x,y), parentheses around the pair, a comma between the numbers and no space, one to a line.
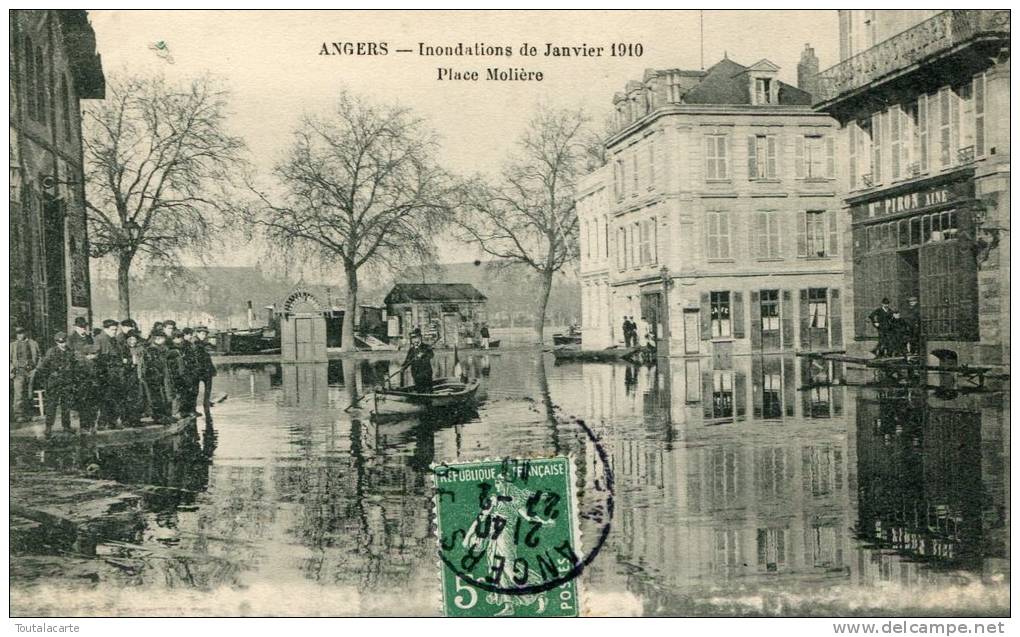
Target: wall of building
(671,212)
(49,273)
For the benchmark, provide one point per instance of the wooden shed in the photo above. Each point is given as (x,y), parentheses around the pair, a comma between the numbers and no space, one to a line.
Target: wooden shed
(448,314)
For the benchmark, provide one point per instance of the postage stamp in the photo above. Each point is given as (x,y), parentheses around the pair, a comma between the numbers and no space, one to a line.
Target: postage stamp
(508,538)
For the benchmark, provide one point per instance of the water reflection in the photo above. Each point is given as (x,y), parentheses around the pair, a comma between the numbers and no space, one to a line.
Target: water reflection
(739,478)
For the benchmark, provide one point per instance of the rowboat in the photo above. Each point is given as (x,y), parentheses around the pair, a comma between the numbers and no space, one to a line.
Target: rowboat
(447,394)
(630,354)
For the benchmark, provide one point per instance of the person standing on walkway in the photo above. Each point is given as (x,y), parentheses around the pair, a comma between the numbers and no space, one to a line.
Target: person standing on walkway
(484,334)
(206,368)
(189,358)
(912,317)
(135,401)
(176,371)
(881,318)
(80,337)
(24,360)
(157,379)
(56,373)
(87,390)
(111,363)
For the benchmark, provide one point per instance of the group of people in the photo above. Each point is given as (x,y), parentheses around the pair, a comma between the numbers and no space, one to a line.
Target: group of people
(630,332)
(113,376)
(899,333)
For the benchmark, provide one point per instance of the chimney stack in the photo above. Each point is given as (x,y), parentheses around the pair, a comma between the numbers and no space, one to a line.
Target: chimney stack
(807,71)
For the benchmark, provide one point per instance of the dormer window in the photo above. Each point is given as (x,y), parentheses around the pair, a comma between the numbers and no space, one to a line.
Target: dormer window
(763,90)
(764,84)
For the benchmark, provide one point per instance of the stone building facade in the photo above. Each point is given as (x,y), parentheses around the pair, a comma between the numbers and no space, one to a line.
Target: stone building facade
(721,232)
(922,100)
(53,66)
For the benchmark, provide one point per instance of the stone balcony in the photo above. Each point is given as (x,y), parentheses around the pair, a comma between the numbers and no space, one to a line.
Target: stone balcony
(946,46)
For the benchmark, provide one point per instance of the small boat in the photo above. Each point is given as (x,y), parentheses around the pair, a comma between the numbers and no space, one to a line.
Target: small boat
(399,402)
(572,337)
(629,354)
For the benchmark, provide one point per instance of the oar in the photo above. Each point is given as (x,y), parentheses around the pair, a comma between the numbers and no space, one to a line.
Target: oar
(359,398)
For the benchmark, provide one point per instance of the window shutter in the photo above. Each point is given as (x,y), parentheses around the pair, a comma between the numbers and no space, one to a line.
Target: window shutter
(802,233)
(833,233)
(757,386)
(706,393)
(651,162)
(752,157)
(756,243)
(852,133)
(724,235)
(805,322)
(770,166)
(755,326)
(830,157)
(737,315)
(979,115)
(798,156)
(710,161)
(786,319)
(740,393)
(835,318)
(706,316)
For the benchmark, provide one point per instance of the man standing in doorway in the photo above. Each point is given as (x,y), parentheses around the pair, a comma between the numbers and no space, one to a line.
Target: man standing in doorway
(56,372)
(912,318)
(882,319)
(24,359)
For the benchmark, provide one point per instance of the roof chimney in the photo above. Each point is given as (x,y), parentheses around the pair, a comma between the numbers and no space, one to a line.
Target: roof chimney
(807,71)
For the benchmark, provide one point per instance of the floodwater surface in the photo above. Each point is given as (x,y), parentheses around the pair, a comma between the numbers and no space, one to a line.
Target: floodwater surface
(743,486)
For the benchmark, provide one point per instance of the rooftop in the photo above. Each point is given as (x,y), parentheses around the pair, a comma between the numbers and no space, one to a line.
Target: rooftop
(433,293)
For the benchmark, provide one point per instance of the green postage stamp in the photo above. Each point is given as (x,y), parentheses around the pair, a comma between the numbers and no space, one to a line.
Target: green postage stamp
(508,538)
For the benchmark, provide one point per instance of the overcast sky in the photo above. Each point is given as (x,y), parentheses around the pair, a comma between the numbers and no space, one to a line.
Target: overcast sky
(270,62)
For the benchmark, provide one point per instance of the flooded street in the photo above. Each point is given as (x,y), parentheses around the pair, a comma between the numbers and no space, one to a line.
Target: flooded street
(743,486)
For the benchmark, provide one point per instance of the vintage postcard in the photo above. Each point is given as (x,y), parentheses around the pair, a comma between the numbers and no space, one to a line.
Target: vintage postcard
(569,313)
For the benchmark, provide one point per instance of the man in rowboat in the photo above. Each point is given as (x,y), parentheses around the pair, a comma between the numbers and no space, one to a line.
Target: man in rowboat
(419,359)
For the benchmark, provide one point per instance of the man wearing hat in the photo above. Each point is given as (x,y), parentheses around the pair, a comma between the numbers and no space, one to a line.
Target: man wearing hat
(206,369)
(189,379)
(169,327)
(24,359)
(882,319)
(419,359)
(79,337)
(912,322)
(176,370)
(126,327)
(111,363)
(156,378)
(56,373)
(87,390)
(134,396)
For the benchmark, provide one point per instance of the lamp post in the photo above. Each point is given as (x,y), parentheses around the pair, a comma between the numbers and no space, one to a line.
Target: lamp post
(667,282)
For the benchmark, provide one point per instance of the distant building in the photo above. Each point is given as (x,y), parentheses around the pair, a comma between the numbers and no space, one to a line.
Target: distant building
(446,313)
(53,66)
(716,223)
(923,101)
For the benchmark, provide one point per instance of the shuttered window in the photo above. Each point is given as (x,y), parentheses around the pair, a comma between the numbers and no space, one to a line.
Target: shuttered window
(876,148)
(764,240)
(815,156)
(894,143)
(720,314)
(979,115)
(716,157)
(923,143)
(853,132)
(761,157)
(718,232)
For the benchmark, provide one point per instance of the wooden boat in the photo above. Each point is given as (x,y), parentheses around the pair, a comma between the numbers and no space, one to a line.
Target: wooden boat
(447,394)
(629,354)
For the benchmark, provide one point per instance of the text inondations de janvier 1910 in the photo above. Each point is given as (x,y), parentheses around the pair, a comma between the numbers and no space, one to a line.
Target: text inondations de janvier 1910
(462,54)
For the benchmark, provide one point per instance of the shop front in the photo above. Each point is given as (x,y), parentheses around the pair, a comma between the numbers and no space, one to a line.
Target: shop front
(917,240)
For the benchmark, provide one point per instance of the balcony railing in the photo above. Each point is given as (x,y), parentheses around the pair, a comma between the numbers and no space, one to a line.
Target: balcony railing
(867,180)
(965,155)
(941,32)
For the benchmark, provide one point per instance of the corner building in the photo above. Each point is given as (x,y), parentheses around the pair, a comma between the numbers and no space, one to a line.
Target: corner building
(922,100)
(715,222)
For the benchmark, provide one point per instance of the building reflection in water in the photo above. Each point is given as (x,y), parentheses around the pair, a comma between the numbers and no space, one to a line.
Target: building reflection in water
(733,474)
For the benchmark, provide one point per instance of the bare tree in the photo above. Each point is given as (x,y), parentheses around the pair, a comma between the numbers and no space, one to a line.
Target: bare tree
(528,216)
(360,188)
(157,158)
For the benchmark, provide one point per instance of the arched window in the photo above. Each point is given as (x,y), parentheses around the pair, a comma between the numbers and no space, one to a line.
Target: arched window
(40,85)
(30,77)
(65,107)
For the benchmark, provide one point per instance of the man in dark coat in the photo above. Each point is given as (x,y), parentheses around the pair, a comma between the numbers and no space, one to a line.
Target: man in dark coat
(912,318)
(80,337)
(134,395)
(56,374)
(190,364)
(111,365)
(205,367)
(881,318)
(176,371)
(157,380)
(24,359)
(419,359)
(88,390)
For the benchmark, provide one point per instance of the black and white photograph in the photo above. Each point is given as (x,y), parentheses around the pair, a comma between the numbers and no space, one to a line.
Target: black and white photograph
(510,313)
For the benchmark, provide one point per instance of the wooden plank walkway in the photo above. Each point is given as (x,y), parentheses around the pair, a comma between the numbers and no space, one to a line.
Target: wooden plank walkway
(910,367)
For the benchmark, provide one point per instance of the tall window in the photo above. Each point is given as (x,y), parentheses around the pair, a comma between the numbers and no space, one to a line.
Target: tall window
(651,163)
(30,95)
(979,115)
(817,234)
(636,173)
(763,91)
(623,178)
(770,310)
(876,148)
(722,394)
(818,307)
(853,132)
(718,234)
(945,128)
(761,157)
(815,157)
(605,226)
(894,143)
(720,314)
(923,143)
(765,240)
(716,157)
(647,246)
(621,248)
(635,230)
